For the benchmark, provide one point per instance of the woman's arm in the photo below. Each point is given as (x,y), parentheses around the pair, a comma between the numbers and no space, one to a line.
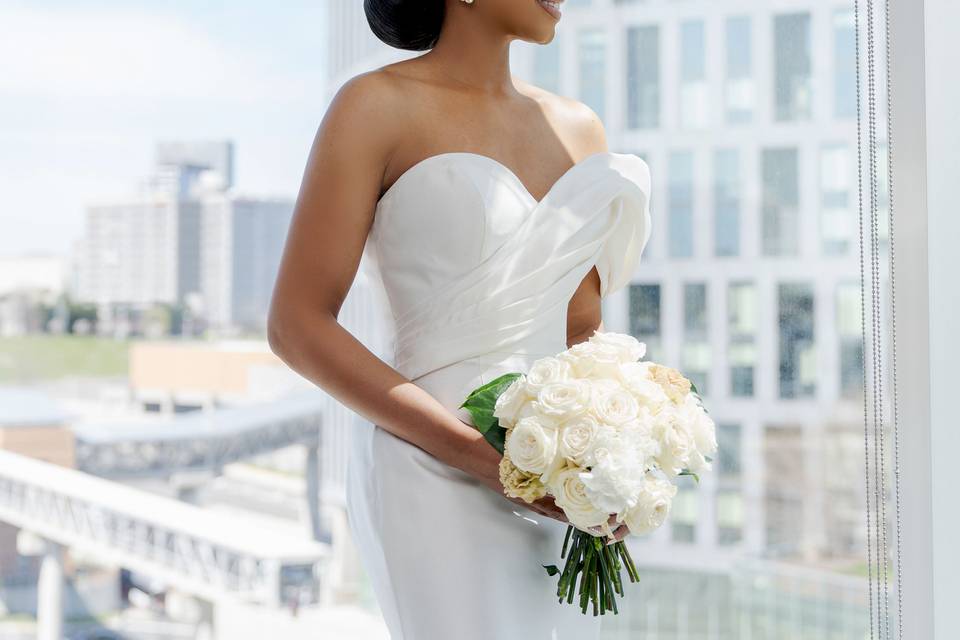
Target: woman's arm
(331,220)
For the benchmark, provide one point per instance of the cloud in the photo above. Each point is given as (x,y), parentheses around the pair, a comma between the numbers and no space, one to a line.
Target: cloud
(94,53)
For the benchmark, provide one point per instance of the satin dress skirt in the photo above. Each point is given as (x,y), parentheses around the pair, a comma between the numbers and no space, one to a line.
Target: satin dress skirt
(448,557)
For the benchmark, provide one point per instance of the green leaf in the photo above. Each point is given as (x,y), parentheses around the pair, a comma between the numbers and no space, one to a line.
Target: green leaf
(480,405)
(708,458)
(552,569)
(693,388)
(687,472)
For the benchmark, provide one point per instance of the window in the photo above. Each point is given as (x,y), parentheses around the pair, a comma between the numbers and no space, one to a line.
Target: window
(726,202)
(643,77)
(683,513)
(729,460)
(845,65)
(729,516)
(696,345)
(739,90)
(694,102)
(781,201)
(645,316)
(785,488)
(837,222)
(593,86)
(849,321)
(742,314)
(791,54)
(680,177)
(798,364)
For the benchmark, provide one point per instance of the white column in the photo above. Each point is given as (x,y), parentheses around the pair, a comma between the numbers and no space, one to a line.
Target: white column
(50,594)
(926,150)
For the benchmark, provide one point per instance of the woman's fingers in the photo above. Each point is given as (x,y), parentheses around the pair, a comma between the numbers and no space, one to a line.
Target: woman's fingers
(619,534)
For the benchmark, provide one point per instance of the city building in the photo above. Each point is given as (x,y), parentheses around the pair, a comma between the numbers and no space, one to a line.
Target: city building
(187,240)
(746,113)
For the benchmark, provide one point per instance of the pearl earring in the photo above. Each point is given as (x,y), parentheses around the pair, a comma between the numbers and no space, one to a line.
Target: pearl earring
(467,1)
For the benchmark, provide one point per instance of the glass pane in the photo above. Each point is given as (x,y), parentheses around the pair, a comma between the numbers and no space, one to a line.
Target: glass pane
(645,316)
(740,90)
(792,67)
(681,204)
(781,201)
(593,69)
(643,73)
(837,190)
(726,202)
(694,102)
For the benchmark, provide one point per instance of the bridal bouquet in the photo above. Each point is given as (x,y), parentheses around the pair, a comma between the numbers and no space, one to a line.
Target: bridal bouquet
(606,435)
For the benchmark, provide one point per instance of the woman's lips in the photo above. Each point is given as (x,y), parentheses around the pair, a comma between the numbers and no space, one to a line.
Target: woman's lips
(551,6)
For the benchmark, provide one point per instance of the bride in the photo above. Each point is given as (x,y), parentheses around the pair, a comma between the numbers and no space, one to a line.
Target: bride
(498,220)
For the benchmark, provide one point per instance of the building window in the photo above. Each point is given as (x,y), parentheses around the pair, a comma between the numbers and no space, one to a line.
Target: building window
(739,90)
(836,187)
(683,514)
(546,66)
(729,454)
(798,362)
(696,345)
(645,316)
(742,315)
(786,482)
(593,86)
(791,54)
(680,179)
(781,202)
(850,334)
(694,102)
(729,516)
(845,64)
(726,202)
(643,77)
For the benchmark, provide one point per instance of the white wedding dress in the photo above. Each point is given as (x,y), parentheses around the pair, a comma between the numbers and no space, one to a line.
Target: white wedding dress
(478,274)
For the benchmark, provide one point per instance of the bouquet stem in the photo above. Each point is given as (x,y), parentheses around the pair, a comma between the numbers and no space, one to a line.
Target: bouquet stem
(598,565)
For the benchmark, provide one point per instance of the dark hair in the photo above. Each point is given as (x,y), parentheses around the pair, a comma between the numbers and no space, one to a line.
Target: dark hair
(406,24)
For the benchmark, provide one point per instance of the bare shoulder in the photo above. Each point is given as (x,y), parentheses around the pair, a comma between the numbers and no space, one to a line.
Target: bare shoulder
(578,124)
(371,109)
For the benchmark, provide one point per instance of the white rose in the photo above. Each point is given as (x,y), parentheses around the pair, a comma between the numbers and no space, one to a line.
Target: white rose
(576,437)
(615,482)
(511,402)
(532,445)
(619,460)
(613,405)
(570,494)
(629,348)
(544,371)
(675,438)
(563,399)
(653,505)
(589,359)
(703,429)
(635,376)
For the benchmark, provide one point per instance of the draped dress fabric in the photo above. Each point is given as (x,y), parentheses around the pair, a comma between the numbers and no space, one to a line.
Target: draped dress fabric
(478,274)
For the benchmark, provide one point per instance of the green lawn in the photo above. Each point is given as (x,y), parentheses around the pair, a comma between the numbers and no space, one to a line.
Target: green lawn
(29,359)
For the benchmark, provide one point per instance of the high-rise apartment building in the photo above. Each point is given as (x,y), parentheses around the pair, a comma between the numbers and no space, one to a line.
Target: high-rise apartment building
(187,239)
(745,111)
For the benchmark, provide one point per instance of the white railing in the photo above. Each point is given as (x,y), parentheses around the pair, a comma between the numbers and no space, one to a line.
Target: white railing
(210,555)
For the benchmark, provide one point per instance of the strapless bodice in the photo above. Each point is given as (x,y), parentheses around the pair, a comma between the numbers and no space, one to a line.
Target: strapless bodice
(479,273)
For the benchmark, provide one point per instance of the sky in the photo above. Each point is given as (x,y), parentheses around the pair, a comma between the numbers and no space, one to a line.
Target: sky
(87,87)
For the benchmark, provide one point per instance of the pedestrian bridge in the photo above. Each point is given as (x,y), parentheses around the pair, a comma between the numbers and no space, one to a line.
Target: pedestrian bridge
(211,555)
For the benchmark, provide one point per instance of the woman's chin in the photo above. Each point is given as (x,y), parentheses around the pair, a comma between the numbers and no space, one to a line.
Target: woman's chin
(541,35)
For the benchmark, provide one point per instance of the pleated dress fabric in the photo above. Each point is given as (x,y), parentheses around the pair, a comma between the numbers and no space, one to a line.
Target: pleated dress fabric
(478,274)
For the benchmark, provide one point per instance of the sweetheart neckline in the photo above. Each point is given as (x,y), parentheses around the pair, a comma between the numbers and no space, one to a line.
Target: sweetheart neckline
(497,163)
